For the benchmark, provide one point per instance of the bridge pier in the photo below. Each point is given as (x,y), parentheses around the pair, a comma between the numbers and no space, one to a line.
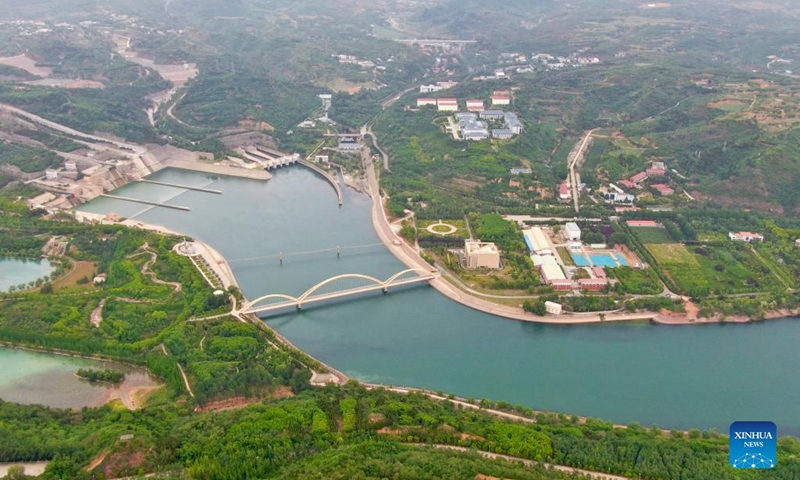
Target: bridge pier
(385,290)
(299,307)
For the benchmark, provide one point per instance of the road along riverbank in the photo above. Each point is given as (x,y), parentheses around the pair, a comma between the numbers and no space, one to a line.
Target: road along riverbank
(411,257)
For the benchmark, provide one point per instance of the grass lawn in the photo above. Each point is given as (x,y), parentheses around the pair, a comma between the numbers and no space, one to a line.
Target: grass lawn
(460,224)
(649,235)
(565,256)
(70,280)
(671,253)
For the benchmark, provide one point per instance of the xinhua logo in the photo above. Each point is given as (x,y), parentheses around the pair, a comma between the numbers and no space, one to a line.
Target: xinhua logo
(754,445)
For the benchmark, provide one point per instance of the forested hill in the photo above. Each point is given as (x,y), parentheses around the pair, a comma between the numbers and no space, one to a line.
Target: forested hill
(348,432)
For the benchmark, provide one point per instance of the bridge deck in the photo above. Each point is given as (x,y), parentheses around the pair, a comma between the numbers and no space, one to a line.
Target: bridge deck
(299,303)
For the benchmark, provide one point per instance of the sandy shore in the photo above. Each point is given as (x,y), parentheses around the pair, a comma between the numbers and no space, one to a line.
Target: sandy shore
(32,469)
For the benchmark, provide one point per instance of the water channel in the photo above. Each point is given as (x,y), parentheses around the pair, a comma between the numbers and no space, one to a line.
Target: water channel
(682,377)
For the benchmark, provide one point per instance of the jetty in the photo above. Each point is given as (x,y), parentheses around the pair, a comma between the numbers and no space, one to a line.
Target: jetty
(146,202)
(186,187)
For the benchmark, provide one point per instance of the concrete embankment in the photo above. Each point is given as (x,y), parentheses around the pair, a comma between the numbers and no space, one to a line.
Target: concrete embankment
(333,181)
(146,202)
(253,174)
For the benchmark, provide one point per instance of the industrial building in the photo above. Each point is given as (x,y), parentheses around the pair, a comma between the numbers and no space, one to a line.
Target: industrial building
(572,232)
(537,241)
(481,254)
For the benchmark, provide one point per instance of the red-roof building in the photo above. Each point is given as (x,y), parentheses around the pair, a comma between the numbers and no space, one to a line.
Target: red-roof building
(643,223)
(655,172)
(639,177)
(561,284)
(627,183)
(563,192)
(475,105)
(421,102)
(599,272)
(663,189)
(592,283)
(501,100)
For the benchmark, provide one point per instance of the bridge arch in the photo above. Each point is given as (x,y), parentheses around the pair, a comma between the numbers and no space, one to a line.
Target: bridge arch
(247,307)
(420,271)
(321,284)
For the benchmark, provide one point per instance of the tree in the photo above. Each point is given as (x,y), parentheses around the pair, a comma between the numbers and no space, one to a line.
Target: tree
(16,472)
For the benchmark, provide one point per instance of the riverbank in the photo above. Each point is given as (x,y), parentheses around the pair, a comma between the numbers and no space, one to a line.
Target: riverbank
(411,258)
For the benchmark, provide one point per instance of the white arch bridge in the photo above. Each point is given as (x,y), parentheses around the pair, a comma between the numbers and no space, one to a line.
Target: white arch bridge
(340,286)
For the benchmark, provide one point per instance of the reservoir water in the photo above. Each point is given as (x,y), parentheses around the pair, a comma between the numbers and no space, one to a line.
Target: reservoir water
(683,377)
(15,271)
(40,378)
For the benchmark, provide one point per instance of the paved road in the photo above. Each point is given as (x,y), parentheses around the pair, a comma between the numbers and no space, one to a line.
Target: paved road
(574,165)
(70,131)
(531,463)
(412,259)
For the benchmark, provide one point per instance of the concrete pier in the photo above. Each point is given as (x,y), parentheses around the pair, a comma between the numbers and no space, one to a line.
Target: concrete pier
(146,202)
(187,187)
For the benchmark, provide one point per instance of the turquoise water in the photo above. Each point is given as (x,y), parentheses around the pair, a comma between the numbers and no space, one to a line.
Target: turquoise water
(15,271)
(39,378)
(598,260)
(679,377)
(580,260)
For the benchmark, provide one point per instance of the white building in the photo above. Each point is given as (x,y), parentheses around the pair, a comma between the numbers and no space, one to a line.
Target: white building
(481,254)
(475,105)
(71,166)
(501,100)
(513,123)
(537,241)
(447,104)
(745,236)
(552,308)
(51,174)
(430,88)
(571,232)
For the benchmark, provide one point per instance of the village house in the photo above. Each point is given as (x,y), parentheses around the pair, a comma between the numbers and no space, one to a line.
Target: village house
(745,236)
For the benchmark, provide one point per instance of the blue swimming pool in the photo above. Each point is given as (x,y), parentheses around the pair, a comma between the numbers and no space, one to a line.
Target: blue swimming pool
(599,260)
(603,260)
(580,260)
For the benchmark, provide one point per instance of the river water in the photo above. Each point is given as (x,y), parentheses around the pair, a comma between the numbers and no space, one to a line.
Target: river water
(674,376)
(15,271)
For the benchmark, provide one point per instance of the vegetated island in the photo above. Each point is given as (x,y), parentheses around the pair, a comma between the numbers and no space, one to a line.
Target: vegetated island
(100,376)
